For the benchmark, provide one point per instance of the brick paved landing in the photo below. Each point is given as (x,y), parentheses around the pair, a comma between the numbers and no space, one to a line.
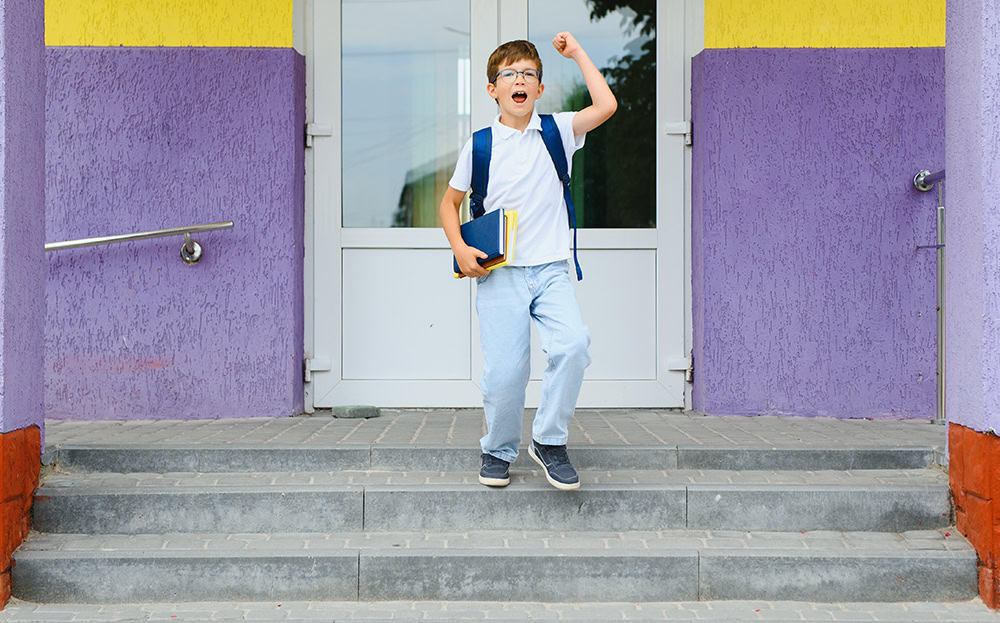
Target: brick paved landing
(464,427)
(510,612)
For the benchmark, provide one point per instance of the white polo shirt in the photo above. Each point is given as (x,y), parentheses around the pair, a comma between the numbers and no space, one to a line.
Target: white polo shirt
(523,178)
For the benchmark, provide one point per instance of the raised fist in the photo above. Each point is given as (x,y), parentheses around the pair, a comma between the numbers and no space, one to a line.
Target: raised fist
(565,44)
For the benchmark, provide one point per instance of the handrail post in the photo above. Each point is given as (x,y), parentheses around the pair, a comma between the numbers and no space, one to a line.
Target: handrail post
(925,181)
(941,417)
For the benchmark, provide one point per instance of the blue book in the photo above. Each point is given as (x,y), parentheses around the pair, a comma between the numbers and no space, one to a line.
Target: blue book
(488,233)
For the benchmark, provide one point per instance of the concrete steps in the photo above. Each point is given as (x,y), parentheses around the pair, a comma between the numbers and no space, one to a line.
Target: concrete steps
(632,566)
(870,500)
(242,457)
(314,521)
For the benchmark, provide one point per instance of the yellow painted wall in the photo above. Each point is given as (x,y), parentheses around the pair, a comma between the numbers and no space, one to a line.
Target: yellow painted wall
(237,23)
(830,23)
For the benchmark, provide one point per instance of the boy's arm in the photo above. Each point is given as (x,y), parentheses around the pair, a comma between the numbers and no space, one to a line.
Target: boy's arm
(464,254)
(604,103)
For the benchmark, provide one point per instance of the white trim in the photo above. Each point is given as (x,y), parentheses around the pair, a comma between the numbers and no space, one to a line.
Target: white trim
(483,38)
(512,20)
(670,173)
(300,25)
(694,43)
(303,15)
(326,154)
(407,393)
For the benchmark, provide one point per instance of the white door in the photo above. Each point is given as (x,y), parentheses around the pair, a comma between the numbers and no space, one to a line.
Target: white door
(400,84)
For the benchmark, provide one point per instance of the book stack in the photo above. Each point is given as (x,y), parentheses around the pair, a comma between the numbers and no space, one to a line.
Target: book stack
(493,233)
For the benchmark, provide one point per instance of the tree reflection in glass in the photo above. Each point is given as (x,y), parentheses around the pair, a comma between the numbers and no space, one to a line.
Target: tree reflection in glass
(614,175)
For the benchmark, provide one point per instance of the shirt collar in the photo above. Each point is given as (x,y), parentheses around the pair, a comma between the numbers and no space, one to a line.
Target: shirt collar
(504,132)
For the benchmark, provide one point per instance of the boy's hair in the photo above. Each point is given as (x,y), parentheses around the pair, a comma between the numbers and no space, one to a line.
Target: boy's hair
(508,53)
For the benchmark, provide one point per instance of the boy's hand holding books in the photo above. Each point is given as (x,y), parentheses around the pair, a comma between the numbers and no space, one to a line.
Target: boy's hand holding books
(468,260)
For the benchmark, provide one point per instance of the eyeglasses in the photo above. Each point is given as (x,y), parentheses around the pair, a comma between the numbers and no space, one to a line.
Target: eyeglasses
(530,75)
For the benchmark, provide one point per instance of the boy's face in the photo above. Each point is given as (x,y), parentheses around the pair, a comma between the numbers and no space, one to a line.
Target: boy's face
(516,98)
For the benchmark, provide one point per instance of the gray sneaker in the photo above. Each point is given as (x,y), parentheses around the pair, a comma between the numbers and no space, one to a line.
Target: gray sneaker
(494,472)
(555,463)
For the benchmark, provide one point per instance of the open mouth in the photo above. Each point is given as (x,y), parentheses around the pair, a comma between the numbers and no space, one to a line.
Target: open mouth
(519,97)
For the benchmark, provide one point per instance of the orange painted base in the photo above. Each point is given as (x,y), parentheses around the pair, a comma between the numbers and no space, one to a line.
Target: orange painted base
(20,461)
(974,472)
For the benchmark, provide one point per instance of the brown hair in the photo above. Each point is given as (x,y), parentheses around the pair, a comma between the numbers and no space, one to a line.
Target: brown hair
(508,53)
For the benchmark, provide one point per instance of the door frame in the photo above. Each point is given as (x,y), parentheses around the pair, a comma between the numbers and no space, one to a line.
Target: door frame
(671,238)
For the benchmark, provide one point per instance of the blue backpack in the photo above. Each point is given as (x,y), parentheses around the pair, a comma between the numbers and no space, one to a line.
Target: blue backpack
(482,149)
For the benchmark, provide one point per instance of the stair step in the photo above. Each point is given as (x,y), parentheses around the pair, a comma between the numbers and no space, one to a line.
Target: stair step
(874,500)
(162,458)
(673,508)
(496,611)
(670,565)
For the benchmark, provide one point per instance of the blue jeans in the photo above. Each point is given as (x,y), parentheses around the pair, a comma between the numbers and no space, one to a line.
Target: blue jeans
(507,299)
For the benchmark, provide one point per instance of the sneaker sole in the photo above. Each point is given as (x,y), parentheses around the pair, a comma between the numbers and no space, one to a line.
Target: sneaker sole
(494,482)
(555,483)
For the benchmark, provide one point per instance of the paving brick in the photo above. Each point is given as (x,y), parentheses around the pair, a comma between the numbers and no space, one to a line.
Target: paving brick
(628,427)
(19,612)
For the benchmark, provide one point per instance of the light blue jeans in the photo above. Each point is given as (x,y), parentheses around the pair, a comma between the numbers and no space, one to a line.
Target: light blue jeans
(507,299)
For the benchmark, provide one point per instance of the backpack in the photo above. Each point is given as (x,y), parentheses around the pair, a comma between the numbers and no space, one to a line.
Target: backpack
(482,149)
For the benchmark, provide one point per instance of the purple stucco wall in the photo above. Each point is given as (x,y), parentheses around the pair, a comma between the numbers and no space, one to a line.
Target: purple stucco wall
(972,340)
(146,138)
(810,297)
(22,206)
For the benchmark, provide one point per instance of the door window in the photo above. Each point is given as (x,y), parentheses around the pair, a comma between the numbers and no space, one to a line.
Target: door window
(613,177)
(405,85)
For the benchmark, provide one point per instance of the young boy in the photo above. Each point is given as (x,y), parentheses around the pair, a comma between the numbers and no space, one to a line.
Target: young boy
(537,286)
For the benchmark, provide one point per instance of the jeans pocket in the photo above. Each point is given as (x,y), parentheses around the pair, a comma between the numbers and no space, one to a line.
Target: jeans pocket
(481,280)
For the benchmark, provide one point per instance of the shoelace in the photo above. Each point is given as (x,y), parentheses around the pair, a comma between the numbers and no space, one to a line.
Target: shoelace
(557,454)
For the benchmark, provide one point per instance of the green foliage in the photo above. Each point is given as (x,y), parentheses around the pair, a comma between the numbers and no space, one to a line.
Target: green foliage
(619,170)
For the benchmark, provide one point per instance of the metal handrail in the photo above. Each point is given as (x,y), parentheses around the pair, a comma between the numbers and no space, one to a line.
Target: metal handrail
(190,250)
(924,180)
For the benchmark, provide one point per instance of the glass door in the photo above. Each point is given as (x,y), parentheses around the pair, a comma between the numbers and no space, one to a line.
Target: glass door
(402,85)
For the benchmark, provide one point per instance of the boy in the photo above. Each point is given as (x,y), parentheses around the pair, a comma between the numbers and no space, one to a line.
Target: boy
(536,286)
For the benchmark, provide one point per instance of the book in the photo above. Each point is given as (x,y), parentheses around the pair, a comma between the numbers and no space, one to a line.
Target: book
(495,234)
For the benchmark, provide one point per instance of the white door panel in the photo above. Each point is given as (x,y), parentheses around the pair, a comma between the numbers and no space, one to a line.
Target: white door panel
(397,309)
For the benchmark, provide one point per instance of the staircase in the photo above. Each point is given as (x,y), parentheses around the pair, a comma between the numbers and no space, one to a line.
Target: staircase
(673,507)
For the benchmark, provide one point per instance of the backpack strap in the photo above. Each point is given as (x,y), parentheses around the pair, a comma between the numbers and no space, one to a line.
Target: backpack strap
(553,143)
(482,149)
